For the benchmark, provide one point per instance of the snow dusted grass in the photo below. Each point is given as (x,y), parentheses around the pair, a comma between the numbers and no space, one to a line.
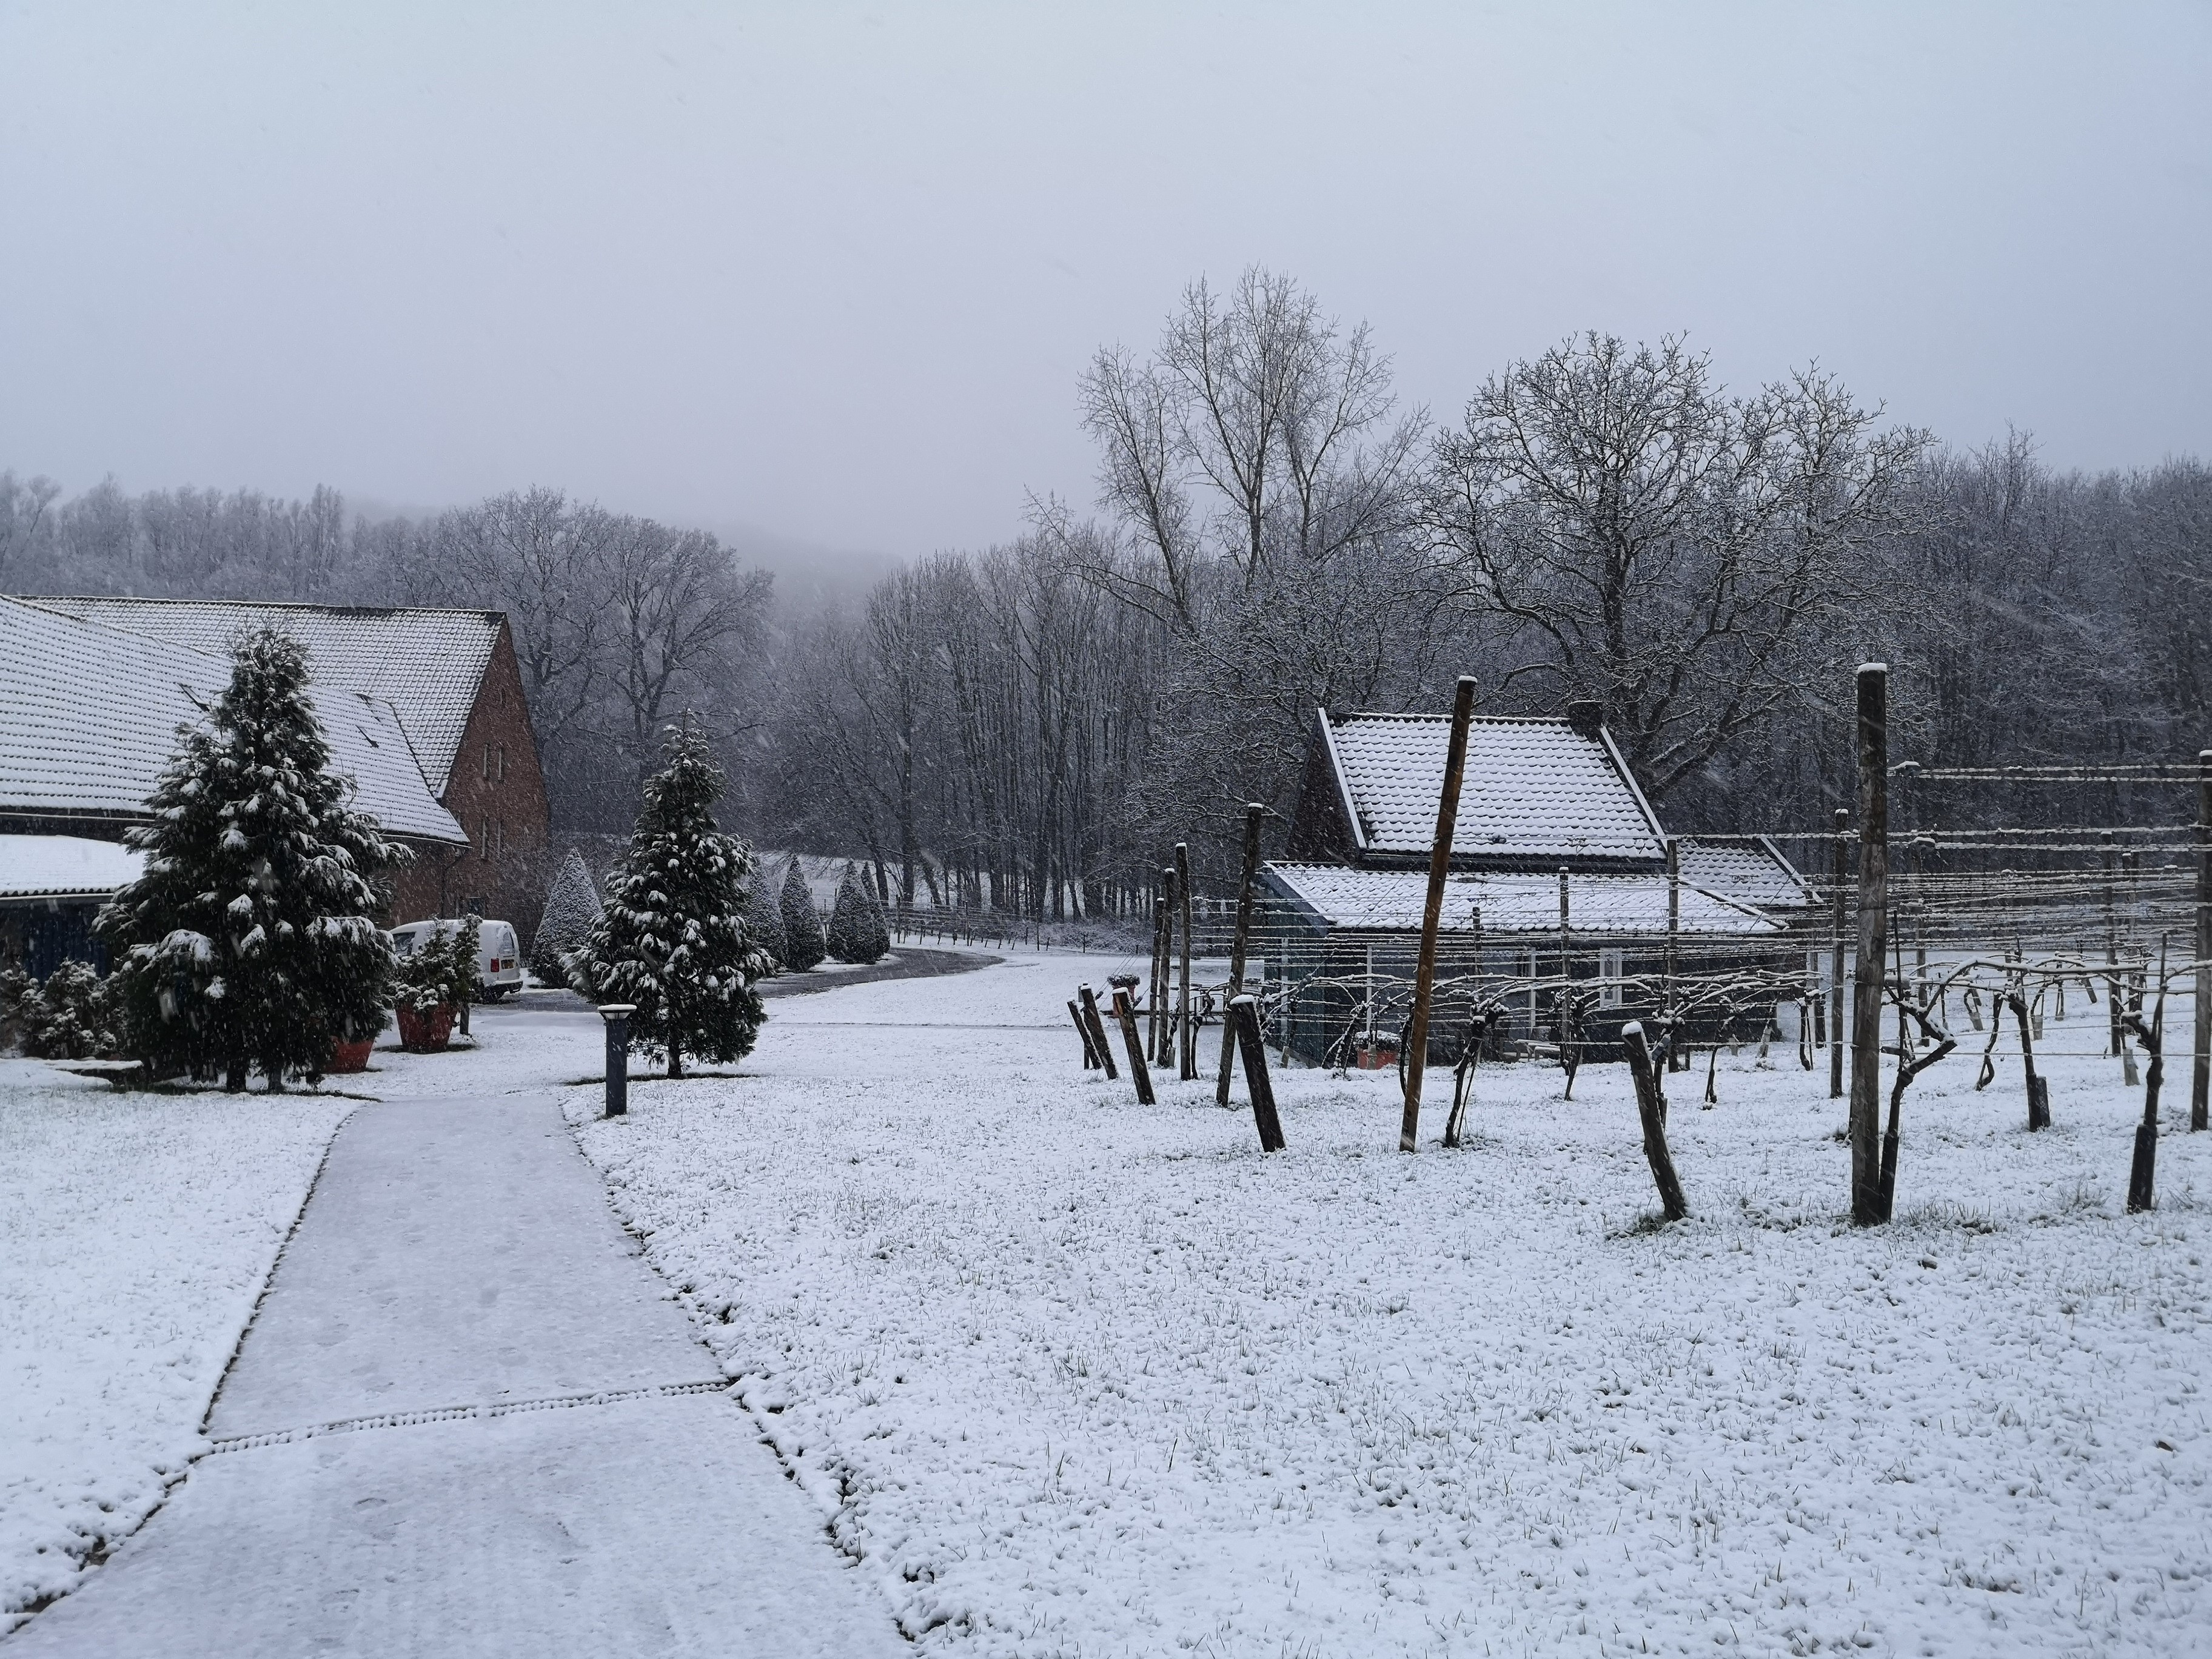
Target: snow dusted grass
(139,1230)
(1079,1377)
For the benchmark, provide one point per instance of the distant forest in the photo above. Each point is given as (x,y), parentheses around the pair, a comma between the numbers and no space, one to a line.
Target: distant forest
(1028,727)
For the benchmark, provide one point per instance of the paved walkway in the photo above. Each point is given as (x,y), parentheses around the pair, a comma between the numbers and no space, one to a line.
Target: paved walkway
(469,1419)
(906,962)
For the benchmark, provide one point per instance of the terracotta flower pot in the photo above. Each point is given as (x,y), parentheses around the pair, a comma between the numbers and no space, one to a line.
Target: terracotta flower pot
(426,1033)
(350,1056)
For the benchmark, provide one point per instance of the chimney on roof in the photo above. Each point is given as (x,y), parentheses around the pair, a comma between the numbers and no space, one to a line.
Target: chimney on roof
(1587,717)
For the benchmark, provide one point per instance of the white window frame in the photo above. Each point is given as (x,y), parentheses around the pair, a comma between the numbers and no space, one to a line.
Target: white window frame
(1611,969)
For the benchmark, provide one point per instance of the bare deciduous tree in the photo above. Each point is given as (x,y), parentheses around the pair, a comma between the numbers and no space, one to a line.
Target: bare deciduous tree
(1651,542)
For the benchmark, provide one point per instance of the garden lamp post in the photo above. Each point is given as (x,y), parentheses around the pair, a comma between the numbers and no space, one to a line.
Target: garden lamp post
(616,1015)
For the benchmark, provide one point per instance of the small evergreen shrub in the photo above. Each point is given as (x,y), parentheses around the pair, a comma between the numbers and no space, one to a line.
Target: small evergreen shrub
(803,941)
(764,923)
(572,905)
(857,930)
(71,1017)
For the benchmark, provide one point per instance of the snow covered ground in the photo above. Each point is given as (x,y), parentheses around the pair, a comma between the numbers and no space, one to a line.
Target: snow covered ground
(1074,1377)
(139,1230)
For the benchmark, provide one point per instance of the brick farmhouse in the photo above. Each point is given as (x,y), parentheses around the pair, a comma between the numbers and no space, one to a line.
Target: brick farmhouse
(424,708)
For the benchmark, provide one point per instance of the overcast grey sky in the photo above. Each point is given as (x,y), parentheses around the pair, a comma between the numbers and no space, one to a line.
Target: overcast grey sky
(832,270)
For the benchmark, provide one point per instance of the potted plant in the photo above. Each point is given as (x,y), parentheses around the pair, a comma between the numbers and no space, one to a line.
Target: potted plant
(351,1055)
(432,985)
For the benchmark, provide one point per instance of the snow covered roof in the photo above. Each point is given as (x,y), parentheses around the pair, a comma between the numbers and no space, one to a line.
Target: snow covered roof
(88,719)
(1391,901)
(64,866)
(427,665)
(1754,871)
(1535,789)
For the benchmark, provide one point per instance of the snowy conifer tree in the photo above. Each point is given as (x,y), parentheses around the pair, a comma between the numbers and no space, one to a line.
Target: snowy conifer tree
(673,938)
(879,923)
(857,932)
(764,918)
(249,940)
(804,945)
(572,905)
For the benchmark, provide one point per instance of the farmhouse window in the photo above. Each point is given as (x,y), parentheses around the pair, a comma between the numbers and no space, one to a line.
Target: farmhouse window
(1609,976)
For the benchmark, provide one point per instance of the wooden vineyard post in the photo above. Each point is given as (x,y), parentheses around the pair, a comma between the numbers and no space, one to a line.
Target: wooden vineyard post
(1255,813)
(1836,976)
(1673,963)
(1416,1054)
(1650,1106)
(1243,1014)
(1157,1006)
(2113,1011)
(1097,1028)
(2200,1080)
(1089,1054)
(1873,943)
(1186,1030)
(1570,1025)
(1127,1018)
(1164,1050)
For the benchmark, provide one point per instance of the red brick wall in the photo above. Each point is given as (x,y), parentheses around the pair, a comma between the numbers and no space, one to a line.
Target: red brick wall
(497,791)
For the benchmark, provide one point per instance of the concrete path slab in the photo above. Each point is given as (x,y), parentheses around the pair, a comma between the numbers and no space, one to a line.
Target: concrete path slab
(649,1527)
(459,1255)
(454,1252)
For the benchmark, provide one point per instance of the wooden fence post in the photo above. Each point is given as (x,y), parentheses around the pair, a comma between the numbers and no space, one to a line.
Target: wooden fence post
(1254,814)
(1873,943)
(1841,873)
(2200,1081)
(1243,1014)
(1650,1109)
(1674,923)
(1425,972)
(1097,1026)
(1135,1044)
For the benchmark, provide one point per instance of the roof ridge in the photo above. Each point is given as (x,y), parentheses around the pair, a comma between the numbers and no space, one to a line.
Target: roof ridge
(1446,720)
(46,600)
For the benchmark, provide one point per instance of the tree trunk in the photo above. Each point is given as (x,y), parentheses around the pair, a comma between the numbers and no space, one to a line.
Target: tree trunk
(1649,1108)
(1873,943)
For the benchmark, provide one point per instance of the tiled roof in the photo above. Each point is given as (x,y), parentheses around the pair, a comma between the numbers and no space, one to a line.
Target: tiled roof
(1391,901)
(1535,789)
(88,718)
(64,867)
(427,665)
(1754,871)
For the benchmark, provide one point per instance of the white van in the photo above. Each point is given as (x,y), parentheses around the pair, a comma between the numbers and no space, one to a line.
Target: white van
(499,957)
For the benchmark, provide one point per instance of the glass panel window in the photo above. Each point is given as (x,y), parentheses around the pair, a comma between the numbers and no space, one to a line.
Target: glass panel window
(1610,977)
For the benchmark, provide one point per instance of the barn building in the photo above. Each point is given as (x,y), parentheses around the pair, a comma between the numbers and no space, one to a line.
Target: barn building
(425,711)
(1559,876)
